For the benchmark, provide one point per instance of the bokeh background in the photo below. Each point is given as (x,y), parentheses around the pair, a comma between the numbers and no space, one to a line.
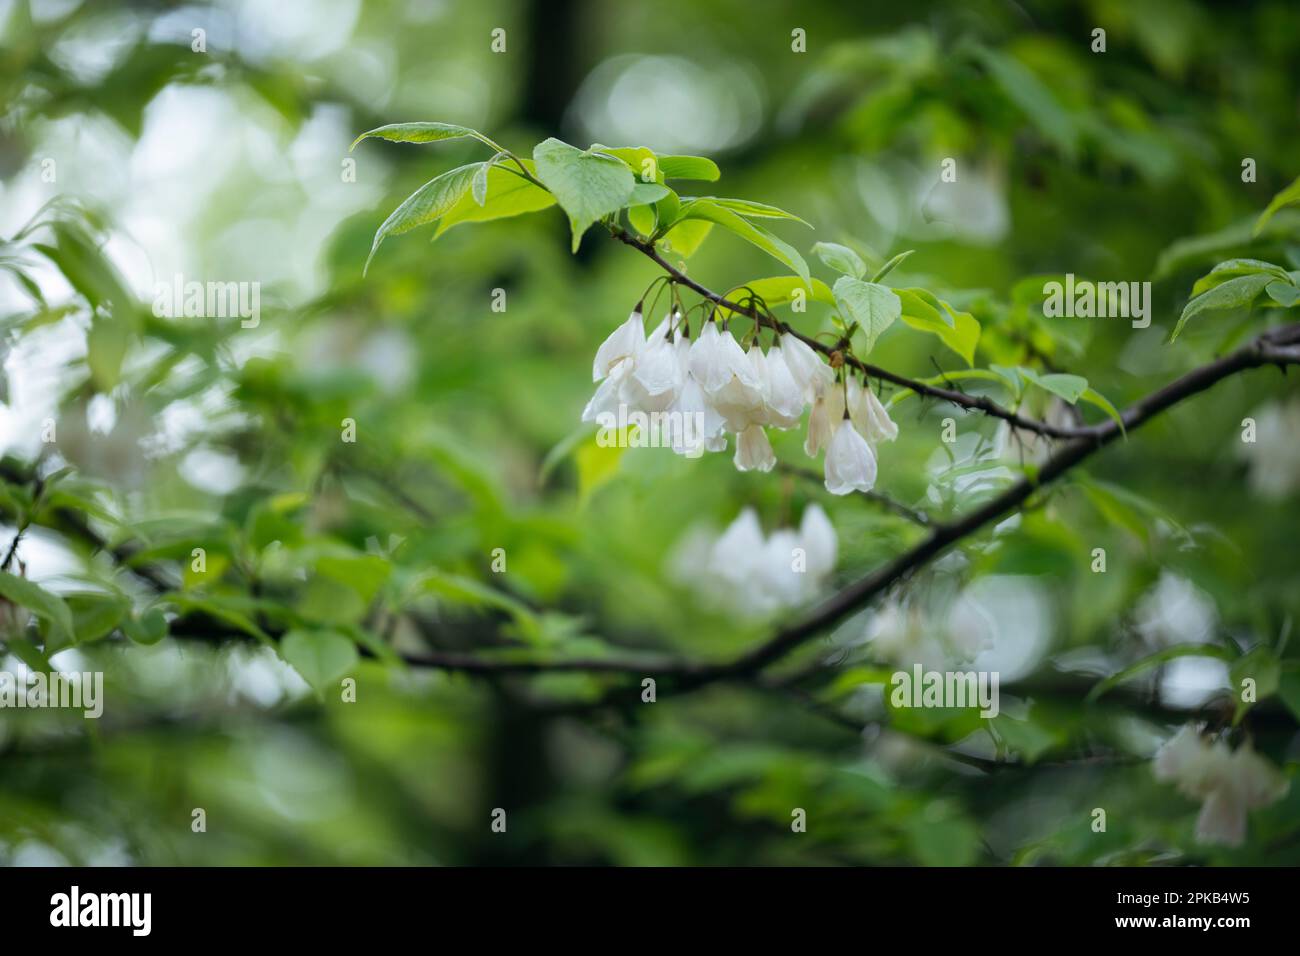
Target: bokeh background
(126,157)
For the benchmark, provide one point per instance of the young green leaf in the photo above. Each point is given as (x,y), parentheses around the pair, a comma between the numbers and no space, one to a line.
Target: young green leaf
(873,307)
(749,209)
(840,258)
(685,237)
(149,628)
(587,185)
(431,201)
(959,331)
(1068,387)
(478,188)
(321,657)
(1285,294)
(1287,197)
(1094,397)
(45,605)
(891,265)
(757,235)
(642,219)
(689,167)
(1234,294)
(646,193)
(1233,268)
(421,133)
(508,194)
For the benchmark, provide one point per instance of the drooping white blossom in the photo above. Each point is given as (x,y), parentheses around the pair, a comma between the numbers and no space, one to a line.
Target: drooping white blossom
(1230,783)
(694,393)
(810,373)
(827,412)
(754,451)
(747,573)
(867,413)
(785,397)
(850,462)
(624,342)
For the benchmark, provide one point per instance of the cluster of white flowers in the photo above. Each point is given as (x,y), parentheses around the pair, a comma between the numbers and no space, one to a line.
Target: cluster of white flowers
(713,381)
(744,572)
(1229,782)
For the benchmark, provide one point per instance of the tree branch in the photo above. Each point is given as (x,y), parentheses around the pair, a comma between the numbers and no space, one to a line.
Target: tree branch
(980,403)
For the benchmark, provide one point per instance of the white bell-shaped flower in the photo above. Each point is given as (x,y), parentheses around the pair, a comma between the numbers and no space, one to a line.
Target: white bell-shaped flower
(656,374)
(1229,783)
(743,402)
(785,399)
(716,359)
(624,342)
(782,578)
(850,462)
(607,400)
(827,412)
(735,553)
(810,372)
(869,416)
(753,450)
(818,539)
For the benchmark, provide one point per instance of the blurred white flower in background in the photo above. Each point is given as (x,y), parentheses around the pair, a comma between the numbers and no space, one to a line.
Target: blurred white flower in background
(1228,782)
(1175,611)
(1274,456)
(752,575)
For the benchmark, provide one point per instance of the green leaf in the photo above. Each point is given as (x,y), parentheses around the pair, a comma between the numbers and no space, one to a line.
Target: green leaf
(1094,397)
(421,133)
(587,185)
(840,258)
(642,161)
(749,209)
(685,237)
(1021,86)
(95,615)
(508,194)
(1287,197)
(149,628)
(321,657)
(1234,294)
(873,307)
(106,345)
(757,235)
(643,194)
(1068,387)
(689,167)
(959,331)
(1260,665)
(431,201)
(1285,294)
(471,593)
(45,605)
(642,219)
(478,188)
(1233,268)
(891,265)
